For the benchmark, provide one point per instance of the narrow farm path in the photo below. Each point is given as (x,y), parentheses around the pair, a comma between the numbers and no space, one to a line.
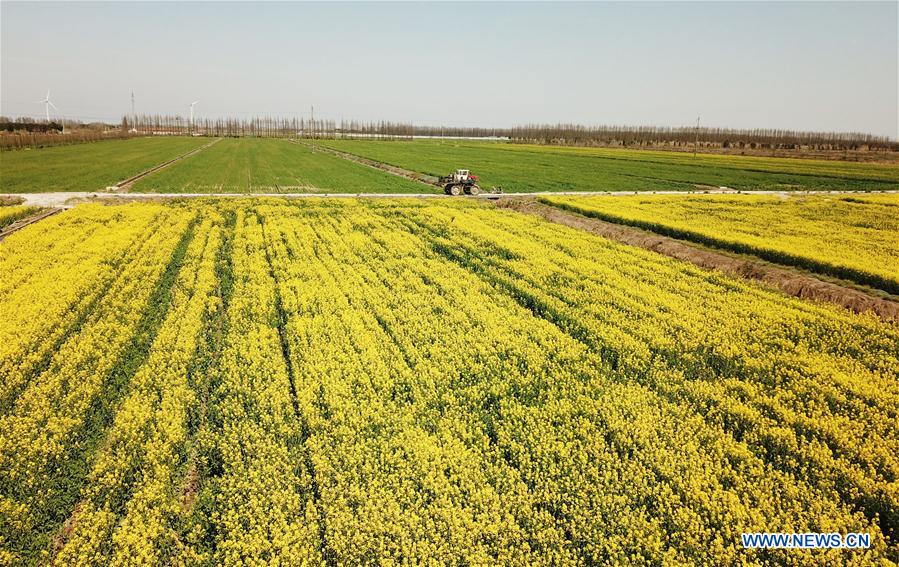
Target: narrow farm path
(125,184)
(790,281)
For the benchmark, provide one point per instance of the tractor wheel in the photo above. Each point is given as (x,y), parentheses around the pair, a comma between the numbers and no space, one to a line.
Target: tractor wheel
(446,189)
(455,190)
(474,190)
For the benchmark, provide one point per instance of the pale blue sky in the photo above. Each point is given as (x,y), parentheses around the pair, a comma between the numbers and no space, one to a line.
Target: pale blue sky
(806,66)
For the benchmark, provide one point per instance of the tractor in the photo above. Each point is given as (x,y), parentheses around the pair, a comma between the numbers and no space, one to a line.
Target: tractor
(461,181)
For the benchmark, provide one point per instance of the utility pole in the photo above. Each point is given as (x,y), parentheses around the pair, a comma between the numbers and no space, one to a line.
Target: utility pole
(133,117)
(696,140)
(312,125)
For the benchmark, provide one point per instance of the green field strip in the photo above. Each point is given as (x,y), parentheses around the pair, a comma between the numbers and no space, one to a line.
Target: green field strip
(263,165)
(835,168)
(127,183)
(87,167)
(520,168)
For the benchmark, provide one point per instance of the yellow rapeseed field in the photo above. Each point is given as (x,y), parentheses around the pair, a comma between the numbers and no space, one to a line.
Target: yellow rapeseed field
(349,382)
(855,237)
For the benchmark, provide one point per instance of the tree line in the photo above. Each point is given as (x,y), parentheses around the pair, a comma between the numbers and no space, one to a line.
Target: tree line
(251,127)
(22,126)
(703,138)
(17,133)
(563,134)
(756,138)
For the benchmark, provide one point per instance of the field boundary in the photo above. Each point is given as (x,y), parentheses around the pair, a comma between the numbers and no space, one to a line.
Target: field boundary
(805,286)
(126,184)
(22,223)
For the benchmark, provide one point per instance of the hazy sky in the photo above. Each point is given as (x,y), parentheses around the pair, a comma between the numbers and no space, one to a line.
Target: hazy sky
(805,66)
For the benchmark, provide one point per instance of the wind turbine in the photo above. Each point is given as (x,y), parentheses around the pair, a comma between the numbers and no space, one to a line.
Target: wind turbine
(192,113)
(47,104)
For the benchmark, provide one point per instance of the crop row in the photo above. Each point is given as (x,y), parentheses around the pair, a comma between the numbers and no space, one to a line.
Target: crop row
(455,343)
